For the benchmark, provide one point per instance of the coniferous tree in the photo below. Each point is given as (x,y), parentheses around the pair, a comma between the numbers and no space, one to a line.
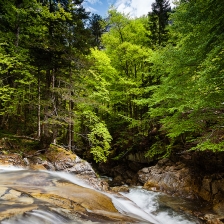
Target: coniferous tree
(96,28)
(158,20)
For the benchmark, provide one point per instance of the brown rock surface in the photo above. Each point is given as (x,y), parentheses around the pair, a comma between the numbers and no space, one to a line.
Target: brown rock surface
(24,191)
(169,177)
(177,179)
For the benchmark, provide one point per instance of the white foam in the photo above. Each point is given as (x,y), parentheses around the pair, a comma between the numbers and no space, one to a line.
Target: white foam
(129,208)
(10,168)
(148,202)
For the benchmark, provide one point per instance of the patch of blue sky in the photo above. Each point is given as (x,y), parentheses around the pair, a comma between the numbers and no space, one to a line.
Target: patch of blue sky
(135,8)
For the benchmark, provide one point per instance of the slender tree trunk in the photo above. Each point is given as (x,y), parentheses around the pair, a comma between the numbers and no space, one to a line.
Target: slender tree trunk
(70,128)
(17,25)
(39,107)
(70,124)
(54,104)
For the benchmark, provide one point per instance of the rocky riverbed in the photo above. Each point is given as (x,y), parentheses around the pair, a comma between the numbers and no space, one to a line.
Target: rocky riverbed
(49,197)
(177,179)
(174,178)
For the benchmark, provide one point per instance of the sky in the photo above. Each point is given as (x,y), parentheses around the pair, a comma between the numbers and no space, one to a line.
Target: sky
(135,8)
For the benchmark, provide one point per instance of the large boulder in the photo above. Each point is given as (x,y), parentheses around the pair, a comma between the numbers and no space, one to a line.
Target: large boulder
(178,179)
(59,159)
(169,177)
(64,160)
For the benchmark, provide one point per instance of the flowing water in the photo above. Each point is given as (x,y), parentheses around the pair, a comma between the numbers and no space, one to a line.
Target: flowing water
(157,205)
(138,205)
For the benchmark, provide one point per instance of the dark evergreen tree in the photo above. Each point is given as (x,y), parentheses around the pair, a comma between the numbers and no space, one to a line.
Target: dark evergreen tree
(96,29)
(158,20)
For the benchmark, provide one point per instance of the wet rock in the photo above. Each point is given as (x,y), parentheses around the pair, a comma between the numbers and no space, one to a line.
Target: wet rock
(120,189)
(130,182)
(11,195)
(122,174)
(178,179)
(212,219)
(48,165)
(112,169)
(164,162)
(59,159)
(81,167)
(66,161)
(12,160)
(11,212)
(219,207)
(37,167)
(169,177)
(117,181)
(37,160)
(36,179)
(32,191)
(105,186)
(26,161)
(119,170)
(190,207)
(151,186)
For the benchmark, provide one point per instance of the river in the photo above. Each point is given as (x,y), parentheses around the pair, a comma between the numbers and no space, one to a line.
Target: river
(36,197)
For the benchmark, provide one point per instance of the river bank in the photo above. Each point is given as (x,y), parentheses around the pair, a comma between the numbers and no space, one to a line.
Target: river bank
(197,176)
(172,177)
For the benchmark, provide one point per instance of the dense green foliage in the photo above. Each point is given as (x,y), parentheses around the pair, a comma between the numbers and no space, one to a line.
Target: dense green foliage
(108,88)
(44,69)
(189,100)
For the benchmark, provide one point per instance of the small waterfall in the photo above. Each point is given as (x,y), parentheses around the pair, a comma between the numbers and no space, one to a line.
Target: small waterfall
(142,204)
(131,209)
(150,203)
(138,204)
(124,206)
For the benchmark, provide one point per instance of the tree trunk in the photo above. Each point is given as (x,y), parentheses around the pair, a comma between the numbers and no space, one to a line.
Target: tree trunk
(39,108)
(70,124)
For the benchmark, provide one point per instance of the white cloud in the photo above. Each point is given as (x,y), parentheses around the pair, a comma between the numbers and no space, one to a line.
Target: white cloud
(92,2)
(135,8)
(90,9)
(87,6)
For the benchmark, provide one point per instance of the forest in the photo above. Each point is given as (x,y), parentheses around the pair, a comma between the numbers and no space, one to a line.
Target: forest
(107,87)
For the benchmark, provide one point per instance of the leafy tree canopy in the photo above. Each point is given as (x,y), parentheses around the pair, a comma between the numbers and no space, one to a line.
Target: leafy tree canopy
(189,101)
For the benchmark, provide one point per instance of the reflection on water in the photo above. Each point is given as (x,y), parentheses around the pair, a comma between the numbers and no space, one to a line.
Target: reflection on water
(39,197)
